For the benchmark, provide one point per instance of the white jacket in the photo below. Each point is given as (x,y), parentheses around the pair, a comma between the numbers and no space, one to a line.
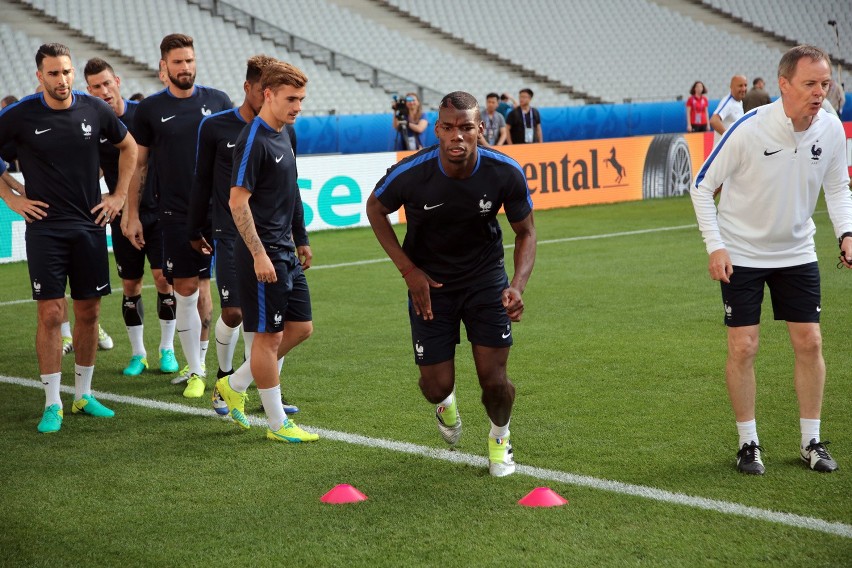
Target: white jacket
(771,185)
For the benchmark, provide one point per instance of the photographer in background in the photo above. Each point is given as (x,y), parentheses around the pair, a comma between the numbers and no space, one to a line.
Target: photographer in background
(408,122)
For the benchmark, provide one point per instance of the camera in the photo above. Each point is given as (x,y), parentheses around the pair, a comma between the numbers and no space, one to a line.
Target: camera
(399,109)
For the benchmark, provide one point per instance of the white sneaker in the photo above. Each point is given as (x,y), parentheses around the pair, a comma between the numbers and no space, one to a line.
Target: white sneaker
(104,340)
(451,434)
(501,459)
(184,374)
(817,457)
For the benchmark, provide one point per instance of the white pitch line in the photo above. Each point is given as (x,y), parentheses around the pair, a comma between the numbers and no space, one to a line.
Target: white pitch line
(652,493)
(386,259)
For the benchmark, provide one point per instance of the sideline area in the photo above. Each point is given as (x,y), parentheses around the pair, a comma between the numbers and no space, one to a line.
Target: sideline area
(645,492)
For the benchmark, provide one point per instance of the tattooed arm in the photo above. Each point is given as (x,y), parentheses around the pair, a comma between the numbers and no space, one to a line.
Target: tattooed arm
(243,219)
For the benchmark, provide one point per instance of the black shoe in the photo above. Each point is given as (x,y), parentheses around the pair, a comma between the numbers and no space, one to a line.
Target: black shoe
(748,459)
(288,408)
(817,457)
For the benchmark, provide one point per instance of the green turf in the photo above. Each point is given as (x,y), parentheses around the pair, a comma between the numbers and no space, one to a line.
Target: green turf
(619,372)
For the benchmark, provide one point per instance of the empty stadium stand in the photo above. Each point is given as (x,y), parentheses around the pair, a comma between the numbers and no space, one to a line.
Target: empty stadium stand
(797,22)
(570,53)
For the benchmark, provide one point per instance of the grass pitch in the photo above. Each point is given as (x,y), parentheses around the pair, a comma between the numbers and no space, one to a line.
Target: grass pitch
(618,365)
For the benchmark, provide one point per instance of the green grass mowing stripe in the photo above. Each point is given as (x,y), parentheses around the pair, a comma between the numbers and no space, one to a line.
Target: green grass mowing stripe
(724,507)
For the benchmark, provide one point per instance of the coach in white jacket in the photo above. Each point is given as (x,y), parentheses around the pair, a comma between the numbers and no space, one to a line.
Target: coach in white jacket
(773,162)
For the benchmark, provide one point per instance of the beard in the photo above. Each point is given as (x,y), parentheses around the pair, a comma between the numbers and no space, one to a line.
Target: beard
(54,95)
(184,82)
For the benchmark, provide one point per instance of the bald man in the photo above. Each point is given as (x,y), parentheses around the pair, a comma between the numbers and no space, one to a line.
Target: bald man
(730,108)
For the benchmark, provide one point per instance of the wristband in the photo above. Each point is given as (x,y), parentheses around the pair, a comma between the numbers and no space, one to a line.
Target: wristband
(407,272)
(843,236)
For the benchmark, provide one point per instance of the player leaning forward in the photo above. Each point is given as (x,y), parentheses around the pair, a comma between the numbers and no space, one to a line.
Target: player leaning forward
(452,262)
(773,162)
(272,251)
(57,133)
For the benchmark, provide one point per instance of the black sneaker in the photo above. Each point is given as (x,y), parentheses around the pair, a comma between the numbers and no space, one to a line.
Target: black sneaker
(817,457)
(288,408)
(748,459)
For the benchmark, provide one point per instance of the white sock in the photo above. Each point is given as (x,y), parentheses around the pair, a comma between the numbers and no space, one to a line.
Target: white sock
(204,345)
(241,378)
(810,430)
(271,399)
(449,400)
(500,431)
(280,364)
(82,381)
(189,330)
(167,334)
(248,339)
(226,344)
(65,329)
(748,432)
(137,341)
(51,384)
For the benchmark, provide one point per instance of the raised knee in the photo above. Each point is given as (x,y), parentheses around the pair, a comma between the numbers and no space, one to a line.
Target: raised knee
(433,391)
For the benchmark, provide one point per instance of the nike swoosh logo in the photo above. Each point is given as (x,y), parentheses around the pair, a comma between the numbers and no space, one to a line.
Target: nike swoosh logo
(182,330)
(428,207)
(768,153)
(37,131)
(162,119)
(279,158)
(505,335)
(99,288)
(103,140)
(229,145)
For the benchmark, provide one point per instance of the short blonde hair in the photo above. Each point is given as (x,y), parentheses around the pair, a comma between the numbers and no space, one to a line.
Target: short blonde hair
(280,73)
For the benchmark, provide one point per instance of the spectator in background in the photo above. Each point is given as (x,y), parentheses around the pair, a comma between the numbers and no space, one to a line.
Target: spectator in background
(8,100)
(523,125)
(414,125)
(757,96)
(696,108)
(505,106)
(136,97)
(494,133)
(730,108)
(836,96)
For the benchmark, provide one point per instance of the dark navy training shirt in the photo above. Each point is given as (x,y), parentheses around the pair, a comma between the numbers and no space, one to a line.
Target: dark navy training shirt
(58,153)
(109,155)
(217,137)
(265,164)
(168,127)
(452,232)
